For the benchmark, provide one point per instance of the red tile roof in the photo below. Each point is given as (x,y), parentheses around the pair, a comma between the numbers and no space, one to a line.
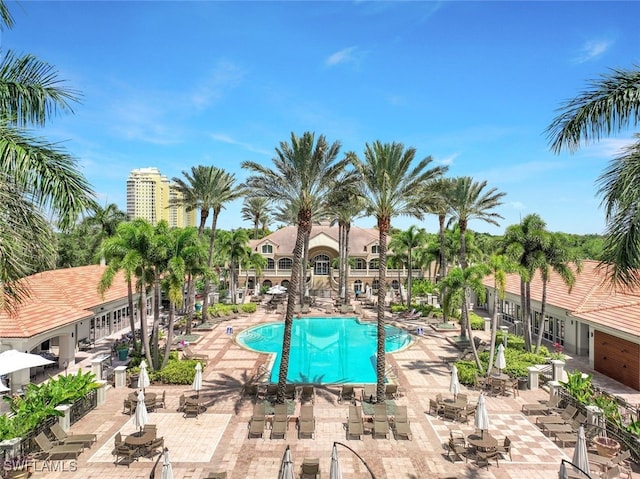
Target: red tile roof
(592,297)
(58,298)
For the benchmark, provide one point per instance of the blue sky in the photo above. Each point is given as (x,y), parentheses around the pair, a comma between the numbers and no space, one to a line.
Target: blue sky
(473,84)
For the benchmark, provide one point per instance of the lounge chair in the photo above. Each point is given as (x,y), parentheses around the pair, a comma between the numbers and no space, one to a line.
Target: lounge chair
(545,407)
(259,411)
(369,393)
(306,422)
(355,426)
(308,393)
(347,392)
(310,469)
(256,427)
(279,427)
(401,423)
(565,415)
(391,391)
(62,451)
(381,421)
(63,438)
(187,353)
(290,391)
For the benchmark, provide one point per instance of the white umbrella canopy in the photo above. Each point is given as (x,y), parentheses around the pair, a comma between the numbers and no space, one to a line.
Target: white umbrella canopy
(482,417)
(367,292)
(167,469)
(286,468)
(14,360)
(3,387)
(334,471)
(141,417)
(197,379)
(277,289)
(580,457)
(501,362)
(454,385)
(143,378)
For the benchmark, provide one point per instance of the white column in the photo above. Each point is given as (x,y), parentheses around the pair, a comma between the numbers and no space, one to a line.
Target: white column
(96,368)
(120,376)
(102,392)
(558,369)
(554,389)
(65,419)
(534,372)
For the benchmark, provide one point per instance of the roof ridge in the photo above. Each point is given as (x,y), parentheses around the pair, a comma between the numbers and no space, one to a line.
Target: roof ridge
(607,308)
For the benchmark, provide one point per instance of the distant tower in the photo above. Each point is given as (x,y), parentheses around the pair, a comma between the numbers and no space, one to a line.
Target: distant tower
(148,194)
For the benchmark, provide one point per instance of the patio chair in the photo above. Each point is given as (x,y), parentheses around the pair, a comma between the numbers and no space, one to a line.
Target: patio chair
(256,427)
(621,460)
(457,450)
(154,447)
(128,406)
(310,468)
(355,426)
(151,428)
(290,391)
(181,402)
(63,438)
(191,410)
(308,393)
(161,402)
(544,407)
(124,454)
(485,457)
(306,422)
(463,397)
(505,448)
(435,408)
(53,452)
(348,392)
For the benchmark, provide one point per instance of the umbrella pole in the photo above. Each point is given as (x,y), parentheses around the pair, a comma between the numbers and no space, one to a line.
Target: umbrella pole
(152,474)
(373,476)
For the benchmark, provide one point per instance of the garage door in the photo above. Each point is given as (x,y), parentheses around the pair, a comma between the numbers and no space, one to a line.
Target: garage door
(617,358)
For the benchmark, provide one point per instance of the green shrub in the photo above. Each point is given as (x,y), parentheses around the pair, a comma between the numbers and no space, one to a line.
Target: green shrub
(477,323)
(249,308)
(398,308)
(177,372)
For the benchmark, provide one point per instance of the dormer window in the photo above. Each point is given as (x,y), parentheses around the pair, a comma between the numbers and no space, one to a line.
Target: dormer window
(375,249)
(267,249)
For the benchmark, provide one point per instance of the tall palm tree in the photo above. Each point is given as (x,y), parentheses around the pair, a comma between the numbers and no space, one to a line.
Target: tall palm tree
(234,248)
(468,201)
(499,266)
(437,203)
(105,221)
(409,240)
(37,178)
(524,244)
(556,256)
(303,172)
(255,210)
(256,262)
(607,106)
(391,186)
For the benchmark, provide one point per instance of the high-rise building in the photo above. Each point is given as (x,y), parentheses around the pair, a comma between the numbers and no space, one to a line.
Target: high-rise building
(148,197)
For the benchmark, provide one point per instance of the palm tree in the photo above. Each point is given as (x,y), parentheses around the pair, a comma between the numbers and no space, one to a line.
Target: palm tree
(233,247)
(610,104)
(105,221)
(499,265)
(304,171)
(468,201)
(556,256)
(409,240)
(256,262)
(391,186)
(524,244)
(255,210)
(37,178)
(437,203)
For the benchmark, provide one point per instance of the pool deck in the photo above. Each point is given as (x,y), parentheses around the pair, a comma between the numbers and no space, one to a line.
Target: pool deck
(217,439)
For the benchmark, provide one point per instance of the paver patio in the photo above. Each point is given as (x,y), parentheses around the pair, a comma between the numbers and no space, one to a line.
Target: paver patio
(217,439)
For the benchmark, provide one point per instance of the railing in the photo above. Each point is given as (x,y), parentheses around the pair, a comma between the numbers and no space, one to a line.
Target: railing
(546,373)
(82,406)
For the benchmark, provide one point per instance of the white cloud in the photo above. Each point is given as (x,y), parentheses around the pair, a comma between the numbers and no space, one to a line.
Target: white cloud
(225,76)
(448,160)
(592,49)
(345,55)
(221,137)
(517,205)
(520,171)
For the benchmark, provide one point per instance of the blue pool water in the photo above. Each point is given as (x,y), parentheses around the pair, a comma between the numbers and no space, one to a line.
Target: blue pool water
(325,350)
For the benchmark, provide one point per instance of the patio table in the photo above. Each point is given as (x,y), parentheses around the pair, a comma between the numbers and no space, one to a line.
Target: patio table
(482,441)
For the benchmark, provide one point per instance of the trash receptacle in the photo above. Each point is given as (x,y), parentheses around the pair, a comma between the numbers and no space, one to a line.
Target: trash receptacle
(523,384)
(122,354)
(133,381)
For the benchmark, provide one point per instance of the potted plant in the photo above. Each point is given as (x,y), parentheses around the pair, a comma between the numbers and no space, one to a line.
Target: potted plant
(606,446)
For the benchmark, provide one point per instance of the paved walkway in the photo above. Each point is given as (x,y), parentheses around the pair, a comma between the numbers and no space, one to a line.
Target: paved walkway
(217,439)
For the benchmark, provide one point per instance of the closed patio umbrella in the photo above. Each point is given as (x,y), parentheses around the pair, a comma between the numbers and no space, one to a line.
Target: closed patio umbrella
(482,417)
(143,378)
(501,362)
(580,457)
(286,468)
(197,380)
(334,471)
(141,416)
(454,385)
(167,469)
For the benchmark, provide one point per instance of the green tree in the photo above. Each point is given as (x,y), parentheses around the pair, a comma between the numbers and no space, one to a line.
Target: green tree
(103,222)
(234,248)
(303,172)
(499,266)
(391,186)
(37,178)
(607,106)
(255,210)
(409,240)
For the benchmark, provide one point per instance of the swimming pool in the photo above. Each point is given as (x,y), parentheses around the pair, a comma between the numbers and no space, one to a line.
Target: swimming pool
(325,350)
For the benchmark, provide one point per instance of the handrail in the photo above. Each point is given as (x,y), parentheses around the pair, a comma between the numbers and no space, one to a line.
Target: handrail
(373,476)
(563,470)
(152,474)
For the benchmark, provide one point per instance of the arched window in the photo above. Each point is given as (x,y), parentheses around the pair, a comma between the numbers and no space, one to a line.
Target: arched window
(267,283)
(321,265)
(271,264)
(373,264)
(267,249)
(395,284)
(360,264)
(374,285)
(375,249)
(285,263)
(285,283)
